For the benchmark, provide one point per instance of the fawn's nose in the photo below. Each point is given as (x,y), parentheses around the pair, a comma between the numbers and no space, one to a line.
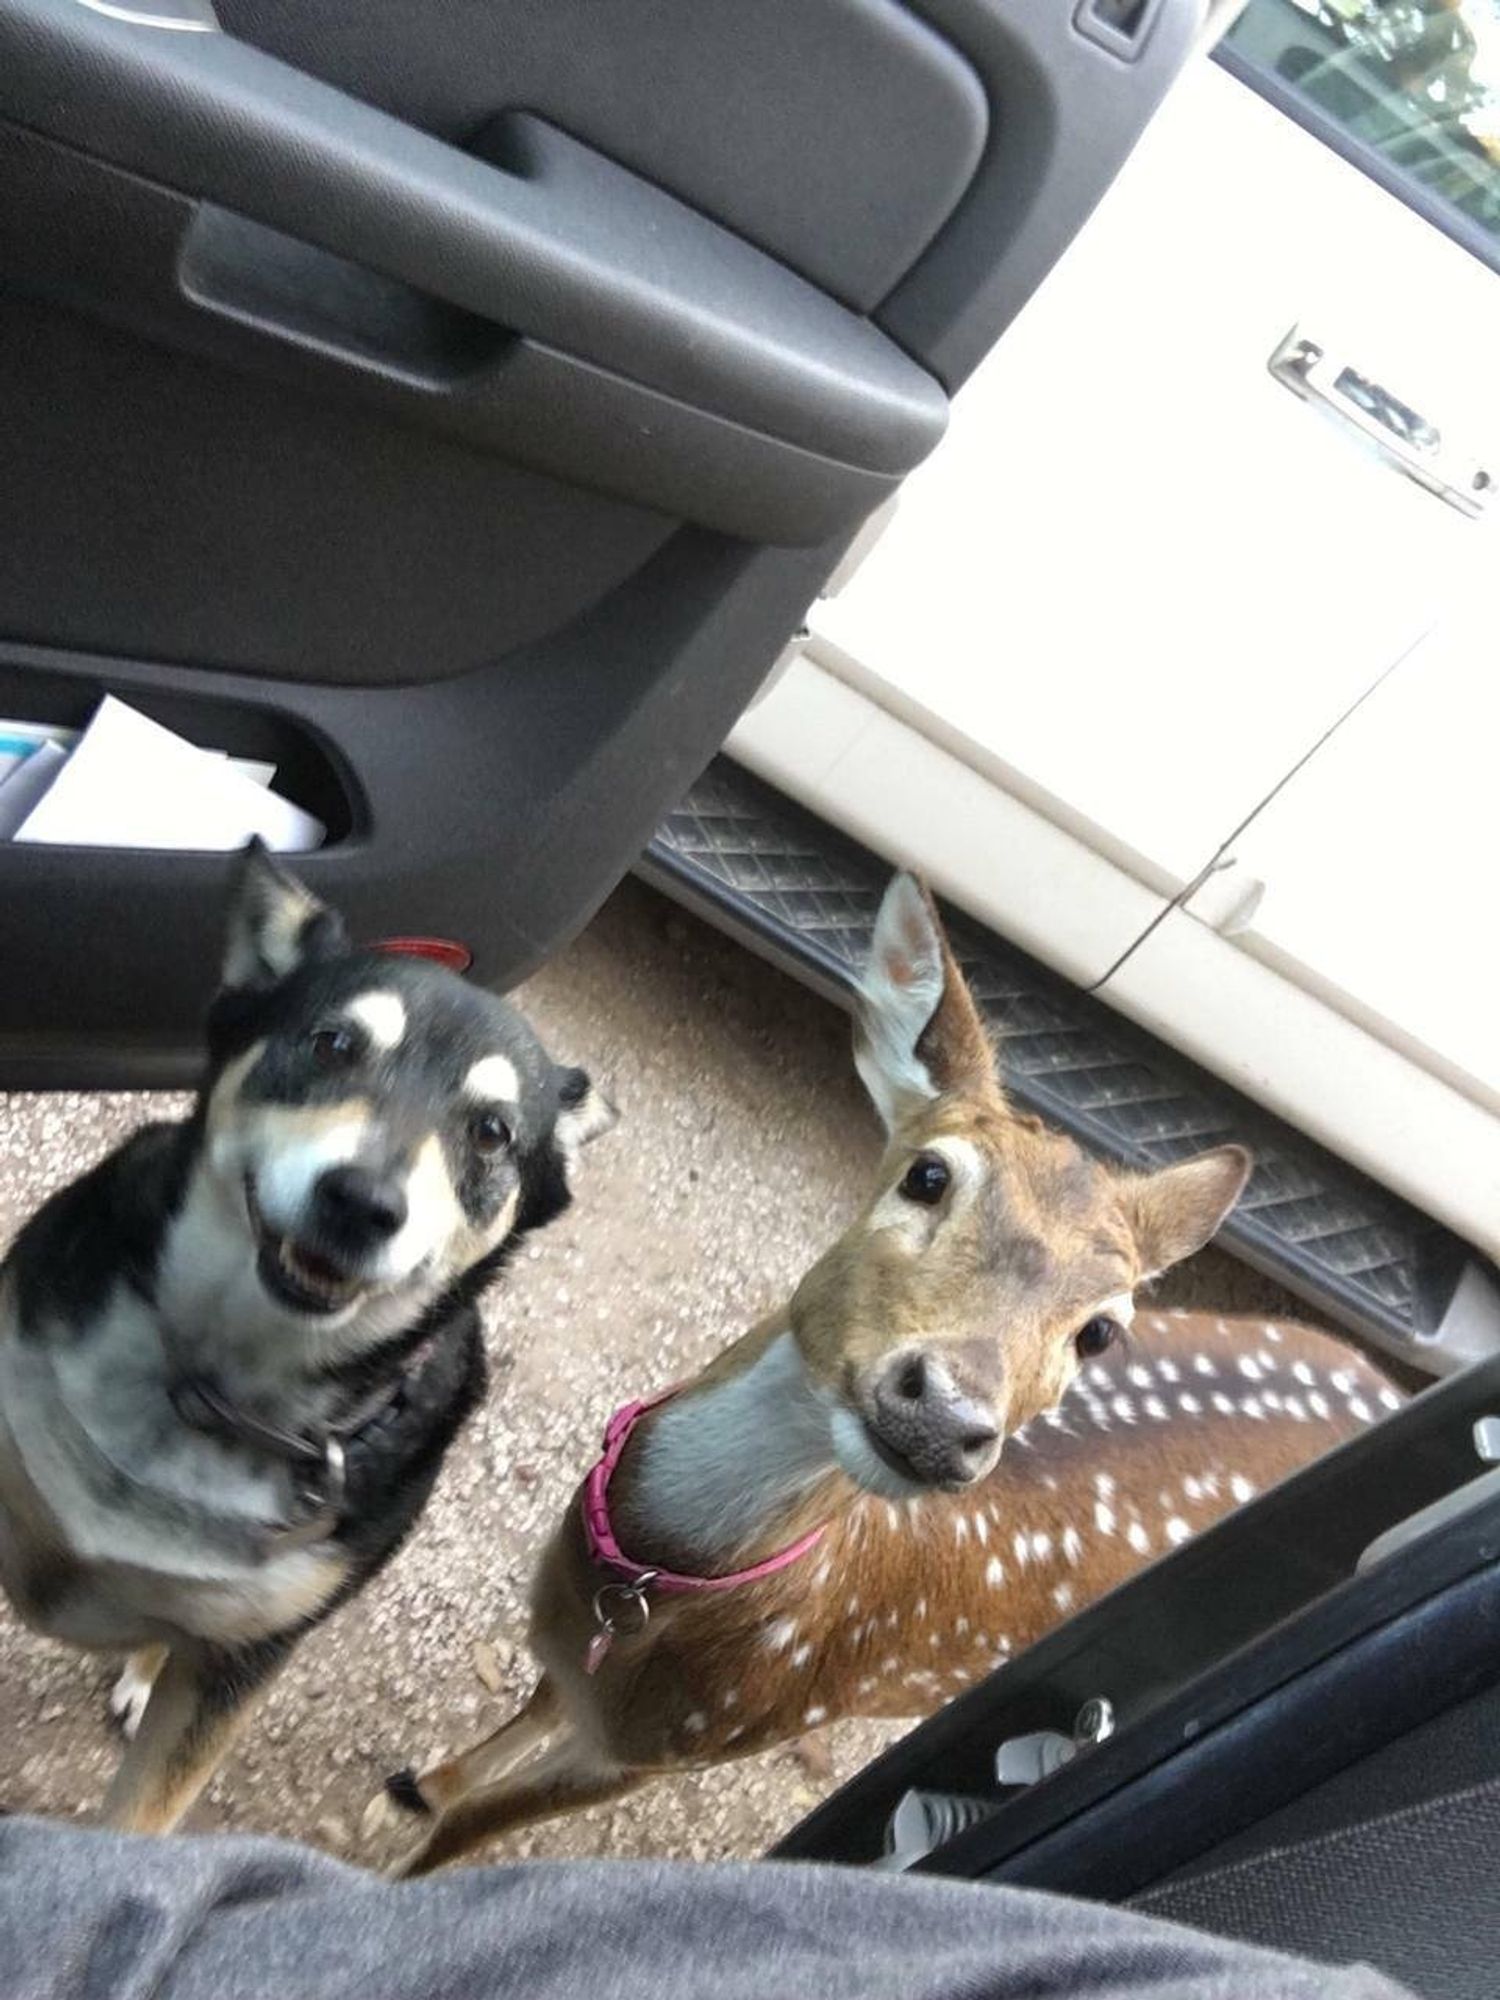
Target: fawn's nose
(358,1209)
(936,1429)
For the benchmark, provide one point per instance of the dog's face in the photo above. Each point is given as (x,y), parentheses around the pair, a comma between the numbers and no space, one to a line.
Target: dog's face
(378,1128)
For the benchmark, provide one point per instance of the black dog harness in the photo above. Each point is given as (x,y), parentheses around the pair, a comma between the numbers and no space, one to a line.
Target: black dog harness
(318,1457)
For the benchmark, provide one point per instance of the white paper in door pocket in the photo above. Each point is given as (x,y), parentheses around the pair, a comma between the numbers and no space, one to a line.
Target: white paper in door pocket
(131,783)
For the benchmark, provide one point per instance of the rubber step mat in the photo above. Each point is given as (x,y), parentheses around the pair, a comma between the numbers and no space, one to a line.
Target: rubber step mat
(805,895)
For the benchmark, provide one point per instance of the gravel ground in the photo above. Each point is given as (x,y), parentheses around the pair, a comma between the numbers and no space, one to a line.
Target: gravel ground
(744,1142)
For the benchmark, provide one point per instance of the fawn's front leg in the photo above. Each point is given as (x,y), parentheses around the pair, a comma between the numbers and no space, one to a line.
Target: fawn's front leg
(493,1757)
(566,1778)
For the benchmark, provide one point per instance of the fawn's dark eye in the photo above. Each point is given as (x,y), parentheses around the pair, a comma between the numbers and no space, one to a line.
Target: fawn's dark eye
(1092,1339)
(336,1048)
(488,1132)
(926,1179)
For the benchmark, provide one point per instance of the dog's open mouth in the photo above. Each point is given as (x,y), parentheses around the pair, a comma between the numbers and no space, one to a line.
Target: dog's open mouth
(295,1274)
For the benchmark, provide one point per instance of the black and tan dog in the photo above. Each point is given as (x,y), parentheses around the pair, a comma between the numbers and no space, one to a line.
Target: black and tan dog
(233,1356)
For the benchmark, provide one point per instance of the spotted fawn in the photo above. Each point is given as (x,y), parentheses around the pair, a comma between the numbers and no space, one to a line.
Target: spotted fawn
(821,1523)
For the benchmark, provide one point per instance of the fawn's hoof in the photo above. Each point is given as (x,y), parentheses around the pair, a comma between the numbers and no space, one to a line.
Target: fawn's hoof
(402,1786)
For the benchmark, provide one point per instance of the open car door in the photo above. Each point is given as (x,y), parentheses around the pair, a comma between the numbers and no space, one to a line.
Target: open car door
(457,403)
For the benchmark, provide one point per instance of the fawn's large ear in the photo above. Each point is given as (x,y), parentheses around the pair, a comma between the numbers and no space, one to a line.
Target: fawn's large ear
(917,1032)
(1174,1212)
(275,924)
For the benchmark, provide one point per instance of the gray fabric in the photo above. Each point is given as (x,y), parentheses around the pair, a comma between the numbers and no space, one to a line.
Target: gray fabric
(94,1916)
(1411,1890)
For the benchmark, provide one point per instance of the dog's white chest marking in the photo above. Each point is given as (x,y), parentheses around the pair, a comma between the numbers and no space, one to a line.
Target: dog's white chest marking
(134,1490)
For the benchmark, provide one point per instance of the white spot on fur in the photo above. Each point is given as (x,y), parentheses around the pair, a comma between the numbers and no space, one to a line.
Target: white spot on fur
(1155,1408)
(1191,1488)
(696,1723)
(493,1080)
(1222,1403)
(1138,1376)
(960,1527)
(1251,1407)
(1178,1531)
(1389,1400)
(1319,1405)
(1138,1539)
(1072,1545)
(994,1572)
(731,1697)
(1241,1489)
(1303,1374)
(1062,1597)
(382,1016)
(1342,1380)
(802,1654)
(1104,1518)
(1250,1368)
(128,1698)
(981,1527)
(779,1634)
(813,1716)
(1124,1409)
(1041,1546)
(1168,1370)
(1360,1409)
(1104,1484)
(1202,1365)
(1189,1404)
(1022,1549)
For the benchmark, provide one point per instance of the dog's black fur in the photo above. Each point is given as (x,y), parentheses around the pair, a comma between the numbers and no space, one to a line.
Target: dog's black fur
(114,1253)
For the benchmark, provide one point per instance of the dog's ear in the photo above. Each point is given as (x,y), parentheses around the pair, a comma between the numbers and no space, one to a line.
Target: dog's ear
(276,923)
(584,1113)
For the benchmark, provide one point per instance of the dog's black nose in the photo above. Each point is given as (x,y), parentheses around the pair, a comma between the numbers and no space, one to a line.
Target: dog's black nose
(356,1206)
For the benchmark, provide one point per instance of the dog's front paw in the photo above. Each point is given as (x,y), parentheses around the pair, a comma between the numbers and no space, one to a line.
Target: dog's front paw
(128,1698)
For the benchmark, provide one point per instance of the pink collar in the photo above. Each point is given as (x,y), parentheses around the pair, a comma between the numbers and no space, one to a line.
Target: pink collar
(634,1578)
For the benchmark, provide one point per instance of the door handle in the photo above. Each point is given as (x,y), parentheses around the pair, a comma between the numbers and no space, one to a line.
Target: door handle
(1405,439)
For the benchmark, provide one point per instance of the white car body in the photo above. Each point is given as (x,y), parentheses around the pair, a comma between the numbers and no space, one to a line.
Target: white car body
(1182,686)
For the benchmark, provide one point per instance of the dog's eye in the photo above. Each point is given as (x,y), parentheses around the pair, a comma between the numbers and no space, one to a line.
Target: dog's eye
(335,1048)
(926,1179)
(1092,1339)
(488,1132)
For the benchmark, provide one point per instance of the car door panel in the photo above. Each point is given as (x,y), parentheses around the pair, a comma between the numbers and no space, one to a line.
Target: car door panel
(459,406)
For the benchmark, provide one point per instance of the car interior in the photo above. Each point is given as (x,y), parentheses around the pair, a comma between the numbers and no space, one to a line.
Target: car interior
(459,406)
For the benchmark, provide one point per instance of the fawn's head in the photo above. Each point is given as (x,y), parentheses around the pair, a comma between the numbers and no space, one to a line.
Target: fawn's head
(994,1256)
